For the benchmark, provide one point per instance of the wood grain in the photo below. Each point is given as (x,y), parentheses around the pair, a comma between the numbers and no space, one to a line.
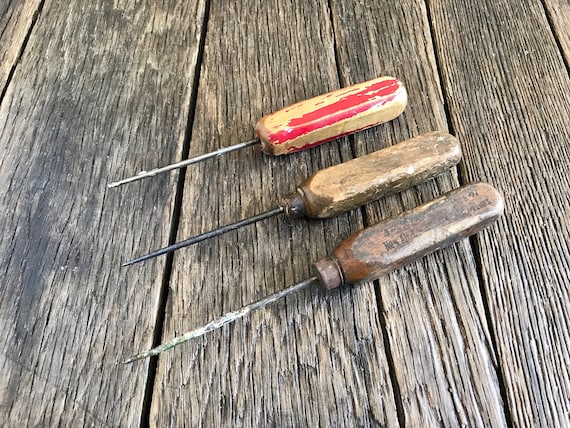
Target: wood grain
(473,335)
(312,122)
(559,13)
(390,244)
(315,358)
(16,18)
(441,356)
(102,90)
(507,89)
(340,188)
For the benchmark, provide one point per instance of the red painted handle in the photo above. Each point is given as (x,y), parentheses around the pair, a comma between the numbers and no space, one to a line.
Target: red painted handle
(330,116)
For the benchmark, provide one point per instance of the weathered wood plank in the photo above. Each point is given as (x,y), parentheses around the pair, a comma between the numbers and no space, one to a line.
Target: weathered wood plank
(507,90)
(559,12)
(433,312)
(101,91)
(16,18)
(316,358)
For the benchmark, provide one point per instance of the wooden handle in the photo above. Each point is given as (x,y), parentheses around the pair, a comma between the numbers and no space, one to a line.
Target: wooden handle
(326,117)
(393,243)
(343,187)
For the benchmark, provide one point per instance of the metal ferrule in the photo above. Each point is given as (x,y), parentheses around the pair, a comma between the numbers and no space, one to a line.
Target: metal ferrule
(294,205)
(329,273)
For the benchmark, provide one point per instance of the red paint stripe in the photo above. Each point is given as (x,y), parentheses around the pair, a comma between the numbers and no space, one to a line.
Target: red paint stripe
(294,149)
(352,104)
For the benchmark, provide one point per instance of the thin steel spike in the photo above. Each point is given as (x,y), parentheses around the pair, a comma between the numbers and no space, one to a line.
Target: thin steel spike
(224,319)
(196,159)
(205,235)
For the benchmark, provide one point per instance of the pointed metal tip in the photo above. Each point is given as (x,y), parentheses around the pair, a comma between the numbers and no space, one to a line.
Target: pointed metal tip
(129,263)
(203,236)
(227,318)
(139,176)
(184,163)
(130,360)
(150,353)
(150,255)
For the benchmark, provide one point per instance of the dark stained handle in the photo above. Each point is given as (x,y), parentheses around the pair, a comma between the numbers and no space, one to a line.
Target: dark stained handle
(393,243)
(346,186)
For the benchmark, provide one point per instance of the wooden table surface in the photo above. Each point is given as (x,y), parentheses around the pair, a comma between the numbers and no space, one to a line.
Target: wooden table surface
(476,334)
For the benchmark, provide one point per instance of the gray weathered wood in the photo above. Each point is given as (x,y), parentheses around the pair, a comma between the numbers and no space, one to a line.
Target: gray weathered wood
(433,312)
(507,88)
(16,18)
(559,12)
(315,358)
(102,91)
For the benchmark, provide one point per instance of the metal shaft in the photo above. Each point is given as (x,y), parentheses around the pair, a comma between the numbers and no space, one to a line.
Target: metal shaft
(224,319)
(206,235)
(181,164)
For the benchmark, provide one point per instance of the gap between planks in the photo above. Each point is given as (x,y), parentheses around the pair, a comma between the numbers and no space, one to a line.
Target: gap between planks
(34,19)
(556,34)
(176,211)
(476,251)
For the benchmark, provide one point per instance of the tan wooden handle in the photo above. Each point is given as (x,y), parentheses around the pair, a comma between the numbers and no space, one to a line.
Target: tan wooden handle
(382,248)
(330,116)
(346,186)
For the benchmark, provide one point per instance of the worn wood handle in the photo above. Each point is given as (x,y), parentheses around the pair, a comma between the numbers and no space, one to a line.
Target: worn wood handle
(326,117)
(346,186)
(393,243)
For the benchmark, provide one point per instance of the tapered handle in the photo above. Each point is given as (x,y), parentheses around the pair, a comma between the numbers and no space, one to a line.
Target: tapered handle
(346,186)
(330,116)
(393,243)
